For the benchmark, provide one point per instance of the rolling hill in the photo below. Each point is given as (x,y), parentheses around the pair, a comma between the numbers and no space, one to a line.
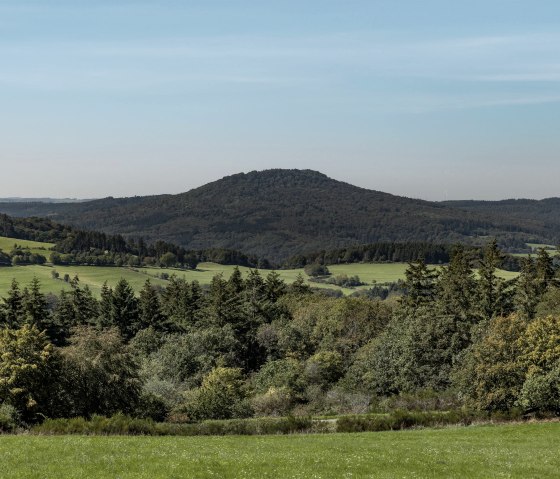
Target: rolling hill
(278,213)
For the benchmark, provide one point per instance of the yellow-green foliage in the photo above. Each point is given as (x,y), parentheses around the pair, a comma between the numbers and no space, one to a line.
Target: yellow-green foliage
(25,357)
(540,345)
(491,375)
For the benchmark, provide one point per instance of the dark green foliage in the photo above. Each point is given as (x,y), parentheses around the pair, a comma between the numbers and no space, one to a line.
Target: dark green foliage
(99,374)
(124,310)
(150,311)
(277,214)
(399,420)
(35,306)
(253,345)
(316,269)
(420,285)
(126,425)
(13,307)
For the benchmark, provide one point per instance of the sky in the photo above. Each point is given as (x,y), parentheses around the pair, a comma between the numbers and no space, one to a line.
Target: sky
(431,99)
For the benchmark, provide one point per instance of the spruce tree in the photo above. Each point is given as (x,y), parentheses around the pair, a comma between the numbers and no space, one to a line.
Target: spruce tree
(150,309)
(420,285)
(527,290)
(14,312)
(35,306)
(124,310)
(105,309)
(492,290)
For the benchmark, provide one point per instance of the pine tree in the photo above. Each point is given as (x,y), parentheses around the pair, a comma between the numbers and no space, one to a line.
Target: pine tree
(35,306)
(420,285)
(492,290)
(150,309)
(457,285)
(64,319)
(105,309)
(124,310)
(527,290)
(14,312)
(85,305)
(545,271)
(275,287)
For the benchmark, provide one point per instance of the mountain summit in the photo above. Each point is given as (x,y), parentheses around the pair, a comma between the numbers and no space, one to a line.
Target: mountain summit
(278,213)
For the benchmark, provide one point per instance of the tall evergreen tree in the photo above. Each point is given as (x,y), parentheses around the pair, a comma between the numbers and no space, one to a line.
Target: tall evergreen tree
(14,312)
(457,285)
(492,290)
(150,313)
(420,285)
(124,310)
(527,289)
(105,309)
(35,306)
(85,305)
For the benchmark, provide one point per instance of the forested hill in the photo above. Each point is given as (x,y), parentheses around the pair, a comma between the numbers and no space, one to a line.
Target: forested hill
(545,212)
(279,213)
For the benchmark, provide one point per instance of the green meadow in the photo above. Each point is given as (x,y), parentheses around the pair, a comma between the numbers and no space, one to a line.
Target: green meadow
(7,244)
(509,451)
(95,276)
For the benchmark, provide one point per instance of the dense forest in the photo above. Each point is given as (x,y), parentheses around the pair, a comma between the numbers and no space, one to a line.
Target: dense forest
(276,214)
(255,346)
(73,246)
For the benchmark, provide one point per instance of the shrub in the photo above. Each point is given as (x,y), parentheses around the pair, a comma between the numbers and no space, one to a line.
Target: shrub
(9,418)
(222,395)
(274,402)
(316,269)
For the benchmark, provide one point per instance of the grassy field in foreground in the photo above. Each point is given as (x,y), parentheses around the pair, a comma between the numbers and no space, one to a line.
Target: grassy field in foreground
(513,451)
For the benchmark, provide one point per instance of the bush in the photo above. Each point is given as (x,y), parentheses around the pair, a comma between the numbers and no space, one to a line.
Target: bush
(402,420)
(222,395)
(316,269)
(125,425)
(422,400)
(9,418)
(274,402)
(541,392)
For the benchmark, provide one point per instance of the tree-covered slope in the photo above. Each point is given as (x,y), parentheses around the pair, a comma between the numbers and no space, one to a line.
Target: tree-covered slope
(278,213)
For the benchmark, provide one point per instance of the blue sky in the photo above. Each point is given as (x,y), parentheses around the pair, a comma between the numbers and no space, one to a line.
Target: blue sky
(432,99)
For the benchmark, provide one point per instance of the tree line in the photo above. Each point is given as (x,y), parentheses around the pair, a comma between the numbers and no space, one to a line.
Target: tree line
(255,346)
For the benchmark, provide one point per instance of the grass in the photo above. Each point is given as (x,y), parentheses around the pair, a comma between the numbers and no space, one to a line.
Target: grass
(512,451)
(7,244)
(95,276)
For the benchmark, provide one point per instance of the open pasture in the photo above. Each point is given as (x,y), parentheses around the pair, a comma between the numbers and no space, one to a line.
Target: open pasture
(35,247)
(95,276)
(512,451)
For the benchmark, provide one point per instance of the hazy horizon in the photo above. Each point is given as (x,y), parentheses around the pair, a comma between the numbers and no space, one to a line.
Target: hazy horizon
(434,100)
(79,199)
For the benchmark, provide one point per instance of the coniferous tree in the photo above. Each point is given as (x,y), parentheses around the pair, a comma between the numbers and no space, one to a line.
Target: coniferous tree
(14,312)
(85,305)
(124,310)
(64,319)
(544,271)
(420,285)
(492,290)
(150,309)
(105,310)
(457,285)
(35,306)
(527,290)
